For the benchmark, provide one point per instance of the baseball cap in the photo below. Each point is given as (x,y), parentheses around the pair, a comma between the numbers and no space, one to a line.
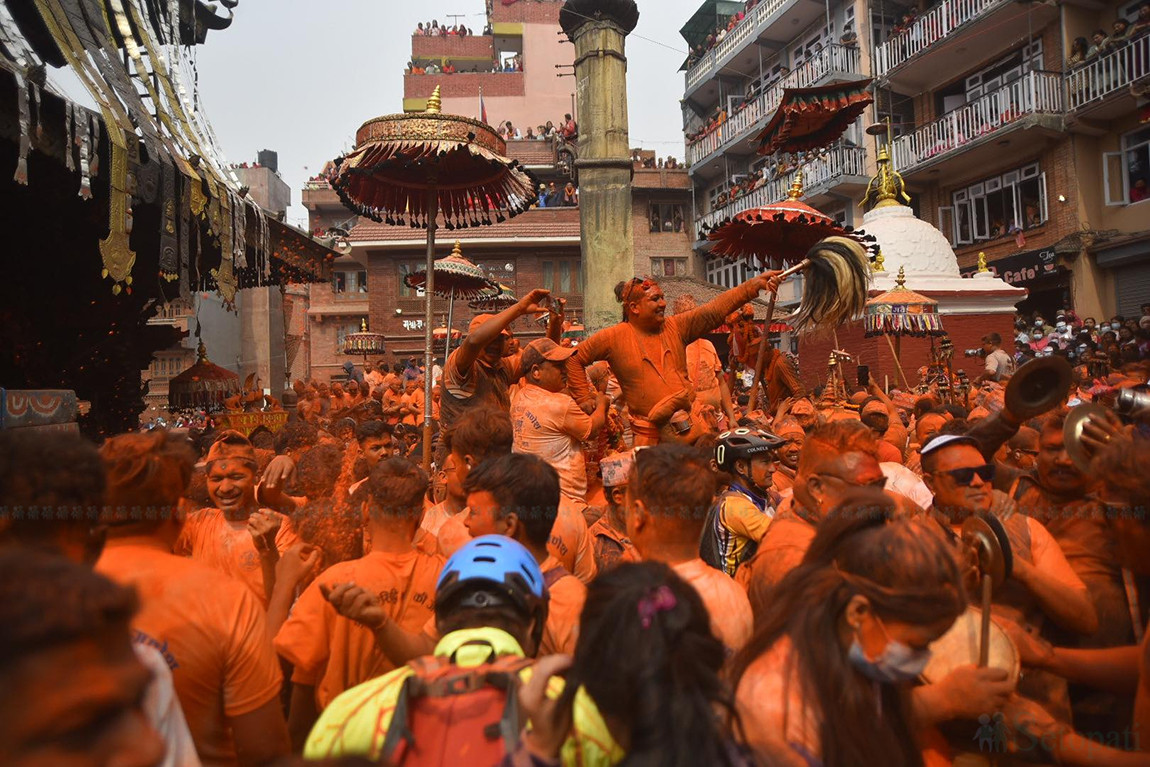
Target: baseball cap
(544,349)
(479,319)
(946,440)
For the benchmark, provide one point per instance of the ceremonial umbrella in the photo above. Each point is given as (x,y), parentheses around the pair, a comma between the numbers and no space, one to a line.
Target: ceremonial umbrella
(455,277)
(775,233)
(902,312)
(494,299)
(791,231)
(364,342)
(416,169)
(810,118)
(441,337)
(203,385)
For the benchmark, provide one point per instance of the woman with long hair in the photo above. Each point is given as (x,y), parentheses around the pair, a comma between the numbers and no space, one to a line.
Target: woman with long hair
(644,681)
(829,669)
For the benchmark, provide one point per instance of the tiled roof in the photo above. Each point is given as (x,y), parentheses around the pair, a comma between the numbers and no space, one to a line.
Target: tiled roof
(535,224)
(532,153)
(673,287)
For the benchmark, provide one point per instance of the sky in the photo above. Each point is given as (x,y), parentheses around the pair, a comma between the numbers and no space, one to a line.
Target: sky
(300,77)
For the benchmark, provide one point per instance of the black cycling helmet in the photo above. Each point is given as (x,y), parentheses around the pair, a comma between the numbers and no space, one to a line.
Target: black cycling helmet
(743,443)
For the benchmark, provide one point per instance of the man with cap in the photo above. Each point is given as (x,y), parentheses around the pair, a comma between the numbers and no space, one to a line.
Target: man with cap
(477,372)
(609,533)
(1042,585)
(237,536)
(546,422)
(788,430)
(999,363)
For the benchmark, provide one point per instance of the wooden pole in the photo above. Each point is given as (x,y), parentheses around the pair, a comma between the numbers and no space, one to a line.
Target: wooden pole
(897,359)
(766,340)
(428,322)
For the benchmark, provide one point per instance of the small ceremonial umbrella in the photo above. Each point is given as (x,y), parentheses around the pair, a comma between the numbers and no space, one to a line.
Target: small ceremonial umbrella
(417,169)
(455,277)
(902,312)
(203,385)
(775,233)
(810,118)
(364,342)
(495,299)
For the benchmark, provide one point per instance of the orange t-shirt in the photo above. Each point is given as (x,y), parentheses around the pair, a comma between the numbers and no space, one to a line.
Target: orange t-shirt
(564,608)
(334,653)
(209,537)
(392,399)
(551,426)
(570,542)
(211,632)
(725,600)
(888,452)
(770,701)
(703,370)
(415,400)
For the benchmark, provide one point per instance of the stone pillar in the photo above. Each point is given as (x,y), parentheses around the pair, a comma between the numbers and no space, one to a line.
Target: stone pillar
(599,29)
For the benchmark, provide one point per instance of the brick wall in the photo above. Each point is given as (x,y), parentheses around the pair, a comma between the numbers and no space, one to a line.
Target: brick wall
(966,332)
(527,11)
(453,46)
(464,85)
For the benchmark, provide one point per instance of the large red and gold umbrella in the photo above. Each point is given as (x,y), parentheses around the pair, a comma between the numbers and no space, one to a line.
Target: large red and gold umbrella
(364,342)
(204,385)
(810,118)
(424,168)
(455,277)
(902,312)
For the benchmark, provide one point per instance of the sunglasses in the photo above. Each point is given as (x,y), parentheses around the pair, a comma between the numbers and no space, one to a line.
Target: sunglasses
(966,476)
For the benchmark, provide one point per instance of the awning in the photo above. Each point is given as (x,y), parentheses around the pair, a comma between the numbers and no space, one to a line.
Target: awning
(710,15)
(1024,269)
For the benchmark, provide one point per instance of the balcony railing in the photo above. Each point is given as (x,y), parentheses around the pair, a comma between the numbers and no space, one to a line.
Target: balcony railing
(928,29)
(1033,93)
(833,58)
(1103,76)
(705,67)
(818,173)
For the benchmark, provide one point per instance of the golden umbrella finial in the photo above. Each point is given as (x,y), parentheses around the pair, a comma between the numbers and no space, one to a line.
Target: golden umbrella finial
(434,104)
(796,190)
(887,187)
(201,352)
(982,267)
(900,280)
(363,325)
(457,250)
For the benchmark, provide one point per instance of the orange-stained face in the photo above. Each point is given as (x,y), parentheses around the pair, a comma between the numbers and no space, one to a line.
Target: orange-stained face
(232,486)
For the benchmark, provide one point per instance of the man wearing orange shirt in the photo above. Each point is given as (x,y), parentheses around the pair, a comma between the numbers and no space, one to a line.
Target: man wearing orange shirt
(792,435)
(609,533)
(237,537)
(394,408)
(547,423)
(647,351)
(412,402)
(668,496)
(331,653)
(705,370)
(208,626)
(518,496)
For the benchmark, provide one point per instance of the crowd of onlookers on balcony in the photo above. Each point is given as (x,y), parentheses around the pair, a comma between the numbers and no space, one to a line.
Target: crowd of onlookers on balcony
(1122,32)
(551,196)
(648,161)
(567,131)
(445,67)
(432,29)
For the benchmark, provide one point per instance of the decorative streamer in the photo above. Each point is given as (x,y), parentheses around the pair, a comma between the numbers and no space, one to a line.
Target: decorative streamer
(85,179)
(21,176)
(69,133)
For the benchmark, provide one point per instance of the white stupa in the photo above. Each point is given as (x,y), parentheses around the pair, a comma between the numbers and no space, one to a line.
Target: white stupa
(924,254)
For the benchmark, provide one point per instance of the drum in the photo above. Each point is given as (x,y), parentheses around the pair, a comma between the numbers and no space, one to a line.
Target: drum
(959,647)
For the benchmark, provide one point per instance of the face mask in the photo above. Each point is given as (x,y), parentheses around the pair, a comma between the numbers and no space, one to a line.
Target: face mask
(897,664)
(1037,336)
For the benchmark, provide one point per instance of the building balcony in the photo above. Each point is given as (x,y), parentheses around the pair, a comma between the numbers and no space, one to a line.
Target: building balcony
(1100,89)
(464,85)
(772,22)
(1034,101)
(454,47)
(949,37)
(842,169)
(833,63)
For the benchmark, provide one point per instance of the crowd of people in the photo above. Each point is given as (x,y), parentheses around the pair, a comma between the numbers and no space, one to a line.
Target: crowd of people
(614,560)
(649,161)
(567,130)
(1122,33)
(720,33)
(1108,345)
(432,29)
(551,196)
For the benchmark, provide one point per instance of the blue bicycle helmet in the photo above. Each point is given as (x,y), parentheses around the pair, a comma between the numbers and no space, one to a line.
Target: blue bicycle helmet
(492,571)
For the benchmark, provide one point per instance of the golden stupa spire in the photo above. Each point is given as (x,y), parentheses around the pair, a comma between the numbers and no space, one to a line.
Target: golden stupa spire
(796,190)
(434,104)
(887,187)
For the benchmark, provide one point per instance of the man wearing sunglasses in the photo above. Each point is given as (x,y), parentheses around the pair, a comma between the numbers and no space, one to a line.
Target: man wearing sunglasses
(1043,587)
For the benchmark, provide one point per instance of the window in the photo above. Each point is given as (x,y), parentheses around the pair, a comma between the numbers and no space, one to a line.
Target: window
(725,274)
(1126,174)
(666,217)
(562,277)
(668,267)
(341,332)
(998,206)
(349,282)
(404,270)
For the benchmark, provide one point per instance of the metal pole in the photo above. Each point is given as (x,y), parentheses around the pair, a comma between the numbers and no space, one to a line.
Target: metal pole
(428,321)
(450,320)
